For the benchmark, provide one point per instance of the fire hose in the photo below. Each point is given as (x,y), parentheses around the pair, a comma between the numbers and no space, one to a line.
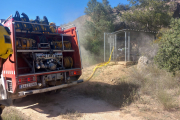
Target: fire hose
(100,65)
(67,44)
(68,62)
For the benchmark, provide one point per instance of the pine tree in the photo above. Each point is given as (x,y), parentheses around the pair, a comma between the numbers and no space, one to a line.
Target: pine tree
(148,14)
(101,21)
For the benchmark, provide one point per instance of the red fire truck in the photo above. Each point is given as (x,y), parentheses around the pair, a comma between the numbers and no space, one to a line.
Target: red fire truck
(45,58)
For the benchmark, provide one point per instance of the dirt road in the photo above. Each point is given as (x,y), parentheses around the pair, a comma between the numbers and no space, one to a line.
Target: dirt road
(66,105)
(70,105)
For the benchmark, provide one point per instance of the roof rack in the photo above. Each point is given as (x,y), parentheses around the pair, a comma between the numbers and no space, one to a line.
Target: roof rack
(34,23)
(63,28)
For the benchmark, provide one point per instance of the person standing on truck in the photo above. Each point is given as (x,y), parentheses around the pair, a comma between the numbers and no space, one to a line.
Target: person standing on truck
(5,51)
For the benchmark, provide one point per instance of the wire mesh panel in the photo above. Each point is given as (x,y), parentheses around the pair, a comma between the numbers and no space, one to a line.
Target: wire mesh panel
(128,45)
(109,43)
(120,47)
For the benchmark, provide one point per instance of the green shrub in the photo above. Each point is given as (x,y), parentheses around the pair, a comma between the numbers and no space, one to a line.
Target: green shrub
(168,56)
(101,20)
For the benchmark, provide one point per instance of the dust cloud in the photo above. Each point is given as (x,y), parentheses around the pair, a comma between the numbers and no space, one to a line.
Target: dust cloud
(143,42)
(147,47)
(88,58)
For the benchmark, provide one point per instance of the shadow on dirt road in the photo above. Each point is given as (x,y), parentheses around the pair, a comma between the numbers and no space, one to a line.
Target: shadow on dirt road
(70,100)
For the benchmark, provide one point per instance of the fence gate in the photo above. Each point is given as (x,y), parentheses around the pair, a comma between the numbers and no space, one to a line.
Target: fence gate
(121,43)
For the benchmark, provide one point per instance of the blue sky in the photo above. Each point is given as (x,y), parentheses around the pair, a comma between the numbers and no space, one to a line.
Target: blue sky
(58,11)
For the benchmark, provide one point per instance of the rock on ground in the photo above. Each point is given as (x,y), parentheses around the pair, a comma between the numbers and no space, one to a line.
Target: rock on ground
(142,62)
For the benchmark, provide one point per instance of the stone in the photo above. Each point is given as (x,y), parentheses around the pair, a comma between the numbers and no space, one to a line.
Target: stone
(142,62)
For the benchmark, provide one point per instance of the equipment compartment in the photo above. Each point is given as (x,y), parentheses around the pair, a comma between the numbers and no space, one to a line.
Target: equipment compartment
(43,52)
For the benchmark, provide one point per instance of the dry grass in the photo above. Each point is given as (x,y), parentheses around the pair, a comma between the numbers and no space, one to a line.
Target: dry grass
(120,94)
(158,84)
(71,114)
(10,113)
(166,100)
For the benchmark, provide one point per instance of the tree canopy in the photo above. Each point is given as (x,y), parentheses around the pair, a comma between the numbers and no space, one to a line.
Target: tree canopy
(148,14)
(168,56)
(101,20)
(122,7)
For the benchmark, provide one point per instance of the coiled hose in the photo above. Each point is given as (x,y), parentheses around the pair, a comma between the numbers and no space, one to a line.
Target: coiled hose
(68,62)
(58,44)
(52,28)
(67,44)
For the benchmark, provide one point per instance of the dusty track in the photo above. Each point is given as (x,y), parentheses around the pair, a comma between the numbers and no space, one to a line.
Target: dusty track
(70,104)
(57,107)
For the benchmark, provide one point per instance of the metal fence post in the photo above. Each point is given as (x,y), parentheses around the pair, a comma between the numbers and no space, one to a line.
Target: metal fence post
(110,49)
(125,46)
(115,44)
(104,47)
(129,46)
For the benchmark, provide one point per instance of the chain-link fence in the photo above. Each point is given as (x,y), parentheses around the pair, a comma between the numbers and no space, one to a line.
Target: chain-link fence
(128,45)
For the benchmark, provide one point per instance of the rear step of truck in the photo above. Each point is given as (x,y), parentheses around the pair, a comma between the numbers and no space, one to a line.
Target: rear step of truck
(29,92)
